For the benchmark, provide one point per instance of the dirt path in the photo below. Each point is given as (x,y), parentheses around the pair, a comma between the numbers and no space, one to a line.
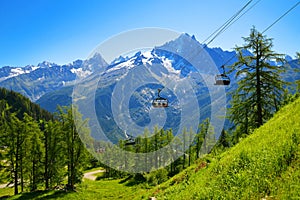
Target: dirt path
(5,185)
(88,175)
(91,175)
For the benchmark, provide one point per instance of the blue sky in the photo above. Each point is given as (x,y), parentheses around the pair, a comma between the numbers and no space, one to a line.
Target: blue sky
(62,31)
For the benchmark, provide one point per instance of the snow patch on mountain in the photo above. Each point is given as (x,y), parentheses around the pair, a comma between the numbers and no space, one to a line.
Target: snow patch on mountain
(80,72)
(17,71)
(33,68)
(123,65)
(168,64)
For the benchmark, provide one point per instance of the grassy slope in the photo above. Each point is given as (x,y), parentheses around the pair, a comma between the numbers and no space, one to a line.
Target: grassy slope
(264,165)
(88,190)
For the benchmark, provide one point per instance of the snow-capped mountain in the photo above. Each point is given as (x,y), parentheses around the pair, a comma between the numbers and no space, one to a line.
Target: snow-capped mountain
(35,81)
(9,72)
(170,64)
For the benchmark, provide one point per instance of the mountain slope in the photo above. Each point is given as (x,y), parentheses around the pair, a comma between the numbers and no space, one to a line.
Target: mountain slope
(21,104)
(266,164)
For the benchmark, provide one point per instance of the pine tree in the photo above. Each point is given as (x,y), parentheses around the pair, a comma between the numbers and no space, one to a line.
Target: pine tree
(199,140)
(260,86)
(202,138)
(146,147)
(13,140)
(53,140)
(223,141)
(191,136)
(76,154)
(33,152)
(185,145)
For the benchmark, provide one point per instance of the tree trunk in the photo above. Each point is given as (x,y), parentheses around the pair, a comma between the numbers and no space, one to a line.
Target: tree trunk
(72,164)
(16,168)
(21,174)
(184,143)
(197,146)
(156,154)
(33,183)
(46,161)
(258,91)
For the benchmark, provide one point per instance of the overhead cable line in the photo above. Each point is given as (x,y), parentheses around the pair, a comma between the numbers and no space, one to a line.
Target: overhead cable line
(294,6)
(228,23)
(281,17)
(242,15)
(234,22)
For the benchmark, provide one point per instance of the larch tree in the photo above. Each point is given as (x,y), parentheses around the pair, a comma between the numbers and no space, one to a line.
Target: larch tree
(76,154)
(33,152)
(54,153)
(260,86)
(14,139)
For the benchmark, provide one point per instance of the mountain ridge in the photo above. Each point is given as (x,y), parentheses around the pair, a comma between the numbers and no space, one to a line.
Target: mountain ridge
(35,81)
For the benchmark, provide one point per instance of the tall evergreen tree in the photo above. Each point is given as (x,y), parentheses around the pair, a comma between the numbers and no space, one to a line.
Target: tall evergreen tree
(13,141)
(54,154)
(33,152)
(260,86)
(191,136)
(185,146)
(76,154)
(199,140)
(223,141)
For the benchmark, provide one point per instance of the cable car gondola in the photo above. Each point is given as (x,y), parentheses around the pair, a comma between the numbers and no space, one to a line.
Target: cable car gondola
(129,140)
(160,102)
(222,79)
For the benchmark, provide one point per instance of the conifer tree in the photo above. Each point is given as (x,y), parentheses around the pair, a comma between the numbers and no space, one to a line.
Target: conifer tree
(260,86)
(13,140)
(224,140)
(53,139)
(76,154)
(33,152)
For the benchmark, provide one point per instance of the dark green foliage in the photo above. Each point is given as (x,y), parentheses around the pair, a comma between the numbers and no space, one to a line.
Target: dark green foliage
(224,139)
(21,105)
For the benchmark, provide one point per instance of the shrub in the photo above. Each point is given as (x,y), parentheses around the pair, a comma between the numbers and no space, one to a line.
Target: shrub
(157,177)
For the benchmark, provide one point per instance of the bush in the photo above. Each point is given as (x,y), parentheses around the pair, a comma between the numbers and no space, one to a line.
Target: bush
(157,177)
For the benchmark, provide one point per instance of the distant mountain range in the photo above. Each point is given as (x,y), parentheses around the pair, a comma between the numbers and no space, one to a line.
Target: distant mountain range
(36,81)
(49,84)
